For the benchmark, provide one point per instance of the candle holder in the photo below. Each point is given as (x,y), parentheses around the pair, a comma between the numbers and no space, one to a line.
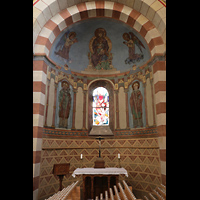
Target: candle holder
(119,160)
(81,160)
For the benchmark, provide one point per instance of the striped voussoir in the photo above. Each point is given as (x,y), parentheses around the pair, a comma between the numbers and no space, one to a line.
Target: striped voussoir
(68,16)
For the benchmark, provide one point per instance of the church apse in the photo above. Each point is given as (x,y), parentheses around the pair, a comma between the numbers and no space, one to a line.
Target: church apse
(77,45)
(84,57)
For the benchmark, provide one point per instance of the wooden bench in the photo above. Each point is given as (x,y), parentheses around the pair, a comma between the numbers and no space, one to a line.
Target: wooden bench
(70,192)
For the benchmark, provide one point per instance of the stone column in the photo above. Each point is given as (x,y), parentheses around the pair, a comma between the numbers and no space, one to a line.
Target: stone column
(127,110)
(117,108)
(74,110)
(145,98)
(54,107)
(48,85)
(154,120)
(84,109)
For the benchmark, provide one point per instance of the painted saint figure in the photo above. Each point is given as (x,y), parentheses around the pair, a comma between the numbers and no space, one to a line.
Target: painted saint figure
(136,105)
(64,105)
(100,56)
(131,41)
(64,49)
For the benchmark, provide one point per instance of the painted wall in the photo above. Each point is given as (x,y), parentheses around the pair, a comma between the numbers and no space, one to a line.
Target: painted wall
(140,157)
(147,105)
(74,51)
(50,102)
(77,56)
(79,109)
(122,109)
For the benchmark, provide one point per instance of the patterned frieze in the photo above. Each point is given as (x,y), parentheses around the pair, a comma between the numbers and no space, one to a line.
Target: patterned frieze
(48,132)
(73,143)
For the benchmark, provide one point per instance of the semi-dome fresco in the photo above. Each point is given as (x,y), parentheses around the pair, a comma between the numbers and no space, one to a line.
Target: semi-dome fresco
(99,45)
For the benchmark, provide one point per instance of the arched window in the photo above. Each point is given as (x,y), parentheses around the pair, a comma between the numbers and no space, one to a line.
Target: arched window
(100,107)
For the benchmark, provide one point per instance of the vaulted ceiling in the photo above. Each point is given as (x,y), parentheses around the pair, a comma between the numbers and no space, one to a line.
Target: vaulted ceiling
(50,17)
(150,10)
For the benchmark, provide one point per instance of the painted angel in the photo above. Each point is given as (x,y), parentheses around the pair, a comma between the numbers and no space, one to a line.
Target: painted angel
(131,41)
(69,40)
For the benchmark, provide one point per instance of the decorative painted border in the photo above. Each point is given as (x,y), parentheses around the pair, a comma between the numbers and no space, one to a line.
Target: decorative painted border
(70,133)
(35,1)
(56,132)
(163,2)
(136,132)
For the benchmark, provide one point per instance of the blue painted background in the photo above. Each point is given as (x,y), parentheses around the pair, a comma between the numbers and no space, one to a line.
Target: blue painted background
(85,31)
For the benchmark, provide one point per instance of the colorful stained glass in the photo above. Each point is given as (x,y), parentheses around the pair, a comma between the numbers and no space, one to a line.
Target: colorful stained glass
(100,107)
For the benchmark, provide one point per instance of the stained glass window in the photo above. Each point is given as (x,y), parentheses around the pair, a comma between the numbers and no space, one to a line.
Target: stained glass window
(100,107)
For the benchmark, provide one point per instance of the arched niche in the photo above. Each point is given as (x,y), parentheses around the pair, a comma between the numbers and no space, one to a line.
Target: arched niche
(64,122)
(137,119)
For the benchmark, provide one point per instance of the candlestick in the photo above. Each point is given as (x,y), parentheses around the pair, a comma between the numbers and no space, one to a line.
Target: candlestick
(118,155)
(81,160)
(119,160)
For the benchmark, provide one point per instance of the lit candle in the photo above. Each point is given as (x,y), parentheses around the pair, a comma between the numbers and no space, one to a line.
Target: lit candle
(81,156)
(118,155)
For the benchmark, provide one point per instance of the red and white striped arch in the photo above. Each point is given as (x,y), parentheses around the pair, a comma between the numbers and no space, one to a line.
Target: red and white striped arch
(153,10)
(51,17)
(39,85)
(159,78)
(54,26)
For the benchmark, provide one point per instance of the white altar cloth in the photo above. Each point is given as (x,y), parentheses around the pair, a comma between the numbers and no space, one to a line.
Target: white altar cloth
(103,171)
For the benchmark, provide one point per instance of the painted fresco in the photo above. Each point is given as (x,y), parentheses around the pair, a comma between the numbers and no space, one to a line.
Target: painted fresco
(101,44)
(64,99)
(64,105)
(131,41)
(64,45)
(136,103)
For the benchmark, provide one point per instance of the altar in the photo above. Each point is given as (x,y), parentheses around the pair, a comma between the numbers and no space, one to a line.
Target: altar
(98,180)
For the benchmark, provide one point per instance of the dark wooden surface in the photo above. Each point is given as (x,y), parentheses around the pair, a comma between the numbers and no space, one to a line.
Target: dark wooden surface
(93,185)
(60,170)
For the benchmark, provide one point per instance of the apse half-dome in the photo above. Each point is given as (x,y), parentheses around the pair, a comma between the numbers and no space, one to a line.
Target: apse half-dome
(100,45)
